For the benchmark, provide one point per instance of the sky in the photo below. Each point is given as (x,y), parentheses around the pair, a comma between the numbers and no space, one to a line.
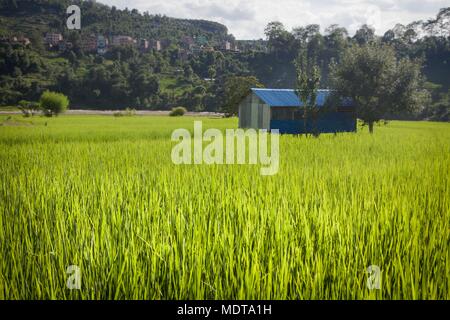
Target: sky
(246,19)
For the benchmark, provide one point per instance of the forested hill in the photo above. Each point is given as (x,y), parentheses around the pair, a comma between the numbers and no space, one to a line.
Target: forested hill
(28,16)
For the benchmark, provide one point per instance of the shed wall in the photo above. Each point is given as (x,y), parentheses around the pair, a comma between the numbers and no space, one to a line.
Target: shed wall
(265,109)
(254,113)
(332,122)
(245,113)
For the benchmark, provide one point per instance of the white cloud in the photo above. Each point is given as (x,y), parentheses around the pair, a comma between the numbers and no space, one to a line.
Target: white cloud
(246,19)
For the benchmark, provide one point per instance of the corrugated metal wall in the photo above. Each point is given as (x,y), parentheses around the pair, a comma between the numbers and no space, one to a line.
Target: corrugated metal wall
(332,122)
(253,113)
(245,113)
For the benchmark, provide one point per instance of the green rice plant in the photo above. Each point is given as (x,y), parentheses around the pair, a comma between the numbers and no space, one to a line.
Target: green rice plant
(102,193)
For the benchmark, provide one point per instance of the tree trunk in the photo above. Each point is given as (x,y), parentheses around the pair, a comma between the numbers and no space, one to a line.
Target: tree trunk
(371,127)
(305,121)
(315,128)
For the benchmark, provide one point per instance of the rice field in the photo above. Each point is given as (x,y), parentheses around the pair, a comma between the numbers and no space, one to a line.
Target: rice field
(102,193)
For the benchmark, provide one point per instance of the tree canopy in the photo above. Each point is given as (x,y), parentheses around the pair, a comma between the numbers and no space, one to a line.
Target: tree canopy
(378,83)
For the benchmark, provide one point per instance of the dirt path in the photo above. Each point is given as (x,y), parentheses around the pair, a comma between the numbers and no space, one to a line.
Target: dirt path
(139,113)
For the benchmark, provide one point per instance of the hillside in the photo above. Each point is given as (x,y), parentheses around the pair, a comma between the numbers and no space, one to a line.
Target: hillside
(27,16)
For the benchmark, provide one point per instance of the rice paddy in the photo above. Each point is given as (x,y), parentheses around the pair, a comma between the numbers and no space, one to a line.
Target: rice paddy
(102,193)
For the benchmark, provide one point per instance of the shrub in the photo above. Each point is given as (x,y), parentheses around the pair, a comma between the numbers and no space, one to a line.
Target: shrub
(28,108)
(53,103)
(178,112)
(128,113)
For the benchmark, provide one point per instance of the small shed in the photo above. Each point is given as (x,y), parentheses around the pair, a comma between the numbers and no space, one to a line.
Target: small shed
(281,109)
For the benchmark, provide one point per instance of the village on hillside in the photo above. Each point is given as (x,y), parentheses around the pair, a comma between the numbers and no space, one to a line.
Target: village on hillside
(101,44)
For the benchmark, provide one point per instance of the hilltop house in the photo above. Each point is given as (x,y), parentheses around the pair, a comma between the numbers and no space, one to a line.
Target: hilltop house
(52,39)
(89,43)
(281,109)
(143,45)
(155,45)
(21,40)
(122,41)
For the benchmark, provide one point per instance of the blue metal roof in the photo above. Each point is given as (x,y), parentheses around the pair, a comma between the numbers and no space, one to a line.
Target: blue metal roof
(288,97)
